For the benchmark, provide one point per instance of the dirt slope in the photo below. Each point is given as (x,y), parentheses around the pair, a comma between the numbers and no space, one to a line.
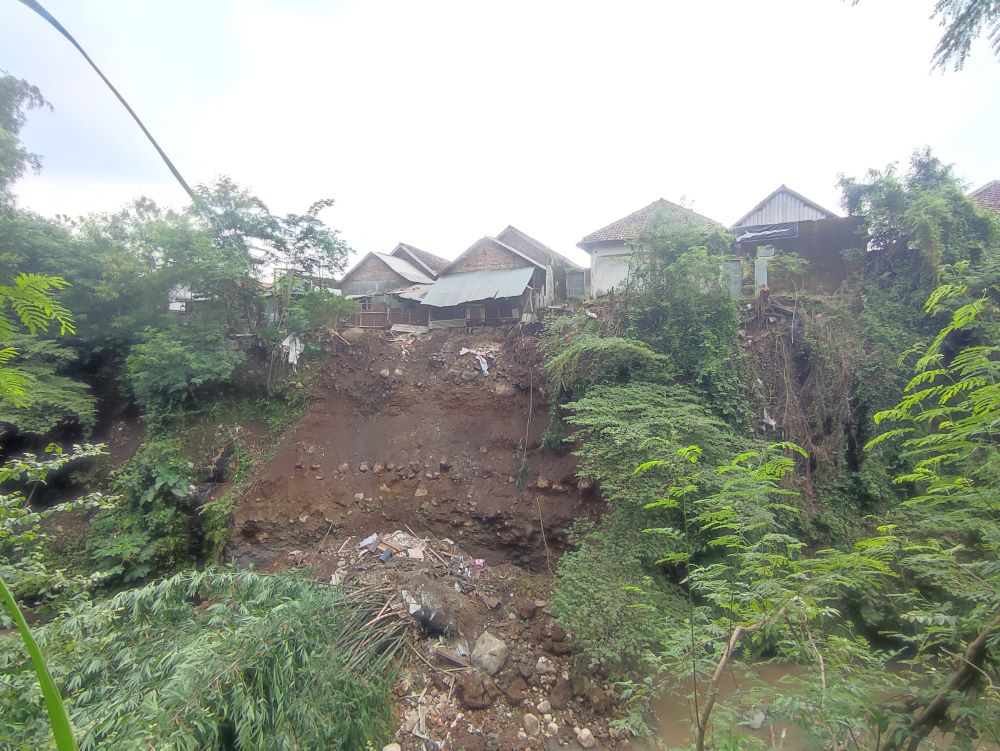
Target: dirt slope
(412,433)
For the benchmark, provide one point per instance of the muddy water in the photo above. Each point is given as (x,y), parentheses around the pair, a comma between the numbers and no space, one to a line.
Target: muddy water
(674,712)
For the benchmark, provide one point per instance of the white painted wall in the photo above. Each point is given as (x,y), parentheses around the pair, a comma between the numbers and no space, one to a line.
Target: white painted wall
(609,268)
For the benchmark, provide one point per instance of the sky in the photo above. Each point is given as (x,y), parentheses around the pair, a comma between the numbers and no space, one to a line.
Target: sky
(436,123)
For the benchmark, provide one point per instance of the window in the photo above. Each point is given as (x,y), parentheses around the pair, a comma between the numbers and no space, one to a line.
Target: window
(366,304)
(476,313)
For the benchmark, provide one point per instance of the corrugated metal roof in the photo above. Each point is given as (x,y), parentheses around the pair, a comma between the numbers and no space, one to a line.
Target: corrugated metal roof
(413,292)
(404,268)
(484,284)
(783,205)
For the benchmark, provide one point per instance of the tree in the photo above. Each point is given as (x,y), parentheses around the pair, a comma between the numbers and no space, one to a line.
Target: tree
(963,22)
(16,98)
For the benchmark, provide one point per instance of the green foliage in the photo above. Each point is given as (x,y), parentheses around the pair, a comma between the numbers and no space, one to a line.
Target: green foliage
(752,586)
(589,358)
(317,310)
(54,707)
(148,531)
(17,97)
(680,306)
(618,428)
(167,368)
(23,561)
(53,399)
(611,597)
(215,660)
(963,21)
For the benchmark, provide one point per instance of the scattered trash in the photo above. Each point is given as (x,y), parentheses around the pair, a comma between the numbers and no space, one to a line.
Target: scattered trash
(480,562)
(385,555)
(480,357)
(292,347)
(770,421)
(368,541)
(591,314)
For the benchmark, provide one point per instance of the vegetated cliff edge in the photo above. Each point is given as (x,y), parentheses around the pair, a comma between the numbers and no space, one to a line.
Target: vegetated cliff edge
(407,431)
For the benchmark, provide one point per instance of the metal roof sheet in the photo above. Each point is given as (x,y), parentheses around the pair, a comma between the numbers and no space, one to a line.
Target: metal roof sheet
(404,268)
(484,284)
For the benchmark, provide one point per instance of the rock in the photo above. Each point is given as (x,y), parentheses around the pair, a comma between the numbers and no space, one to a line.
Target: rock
(384,372)
(560,695)
(468,376)
(585,738)
(525,608)
(359,496)
(557,634)
(599,700)
(345,467)
(543,483)
(544,706)
(397,372)
(516,691)
(377,468)
(585,485)
(544,666)
(552,728)
(392,747)
(504,390)
(474,690)
(532,725)
(489,653)
(420,492)
(363,467)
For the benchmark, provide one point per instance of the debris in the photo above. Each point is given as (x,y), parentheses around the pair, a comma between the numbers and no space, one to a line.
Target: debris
(770,421)
(544,707)
(385,555)
(591,314)
(475,689)
(490,653)
(368,541)
(452,656)
(480,358)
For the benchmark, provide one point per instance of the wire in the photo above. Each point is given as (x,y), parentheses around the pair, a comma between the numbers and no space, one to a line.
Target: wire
(37,8)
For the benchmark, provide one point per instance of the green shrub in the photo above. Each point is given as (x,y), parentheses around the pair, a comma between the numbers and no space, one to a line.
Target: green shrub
(167,368)
(213,660)
(149,531)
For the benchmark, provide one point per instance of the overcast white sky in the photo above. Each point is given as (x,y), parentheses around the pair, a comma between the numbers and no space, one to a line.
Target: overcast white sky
(435,123)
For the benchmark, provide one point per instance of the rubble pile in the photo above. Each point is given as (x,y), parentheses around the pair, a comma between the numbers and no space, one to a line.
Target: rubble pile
(487,669)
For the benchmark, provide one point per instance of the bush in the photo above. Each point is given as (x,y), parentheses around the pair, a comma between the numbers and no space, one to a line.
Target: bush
(149,531)
(213,660)
(167,368)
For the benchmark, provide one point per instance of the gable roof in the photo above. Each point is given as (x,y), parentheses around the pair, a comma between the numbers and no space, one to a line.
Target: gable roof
(988,196)
(396,264)
(478,243)
(632,226)
(431,263)
(775,195)
(532,247)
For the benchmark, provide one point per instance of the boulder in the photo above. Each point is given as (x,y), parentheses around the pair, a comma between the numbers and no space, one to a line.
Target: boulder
(489,653)
(585,738)
(560,695)
(516,691)
(475,690)
(532,725)
(525,608)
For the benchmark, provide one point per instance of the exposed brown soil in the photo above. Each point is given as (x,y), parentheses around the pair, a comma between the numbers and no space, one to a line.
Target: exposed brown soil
(414,434)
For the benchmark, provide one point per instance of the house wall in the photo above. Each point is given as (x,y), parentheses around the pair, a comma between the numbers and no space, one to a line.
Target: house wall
(609,267)
(372,276)
(820,242)
(489,256)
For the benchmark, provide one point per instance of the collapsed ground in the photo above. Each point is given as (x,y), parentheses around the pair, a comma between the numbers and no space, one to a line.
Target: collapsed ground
(436,438)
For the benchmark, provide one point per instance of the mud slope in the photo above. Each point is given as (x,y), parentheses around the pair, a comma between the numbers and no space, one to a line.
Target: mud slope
(420,438)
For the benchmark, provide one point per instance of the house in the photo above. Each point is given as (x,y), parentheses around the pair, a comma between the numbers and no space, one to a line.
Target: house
(389,285)
(498,280)
(612,248)
(988,196)
(787,222)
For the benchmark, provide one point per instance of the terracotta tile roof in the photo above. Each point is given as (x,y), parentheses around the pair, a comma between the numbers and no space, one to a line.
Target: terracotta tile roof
(631,226)
(430,261)
(988,196)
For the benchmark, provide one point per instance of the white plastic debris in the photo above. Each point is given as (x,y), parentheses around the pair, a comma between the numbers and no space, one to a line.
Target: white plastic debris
(293,347)
(370,540)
